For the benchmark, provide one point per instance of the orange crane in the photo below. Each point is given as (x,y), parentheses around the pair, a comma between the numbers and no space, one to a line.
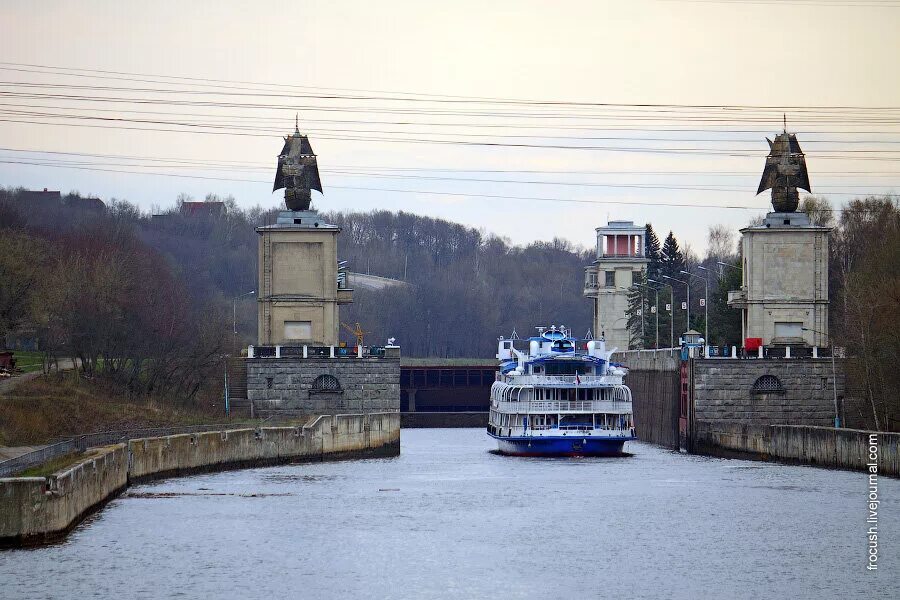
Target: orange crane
(357,331)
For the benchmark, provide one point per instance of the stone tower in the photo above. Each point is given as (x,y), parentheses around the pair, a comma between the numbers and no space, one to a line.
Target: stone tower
(784,293)
(620,254)
(300,284)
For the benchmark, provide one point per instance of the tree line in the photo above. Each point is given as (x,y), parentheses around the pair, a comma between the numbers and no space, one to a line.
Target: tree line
(146,298)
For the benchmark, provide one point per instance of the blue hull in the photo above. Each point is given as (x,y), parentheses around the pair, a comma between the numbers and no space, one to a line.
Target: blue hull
(560,446)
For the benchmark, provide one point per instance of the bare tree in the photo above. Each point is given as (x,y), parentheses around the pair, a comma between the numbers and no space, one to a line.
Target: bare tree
(719,242)
(819,210)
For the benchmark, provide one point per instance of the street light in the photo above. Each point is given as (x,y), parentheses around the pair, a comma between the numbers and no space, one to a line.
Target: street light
(705,307)
(837,416)
(672,313)
(725,264)
(687,286)
(655,289)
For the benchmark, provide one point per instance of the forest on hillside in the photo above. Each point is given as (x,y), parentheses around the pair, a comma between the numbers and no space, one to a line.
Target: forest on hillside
(466,287)
(122,288)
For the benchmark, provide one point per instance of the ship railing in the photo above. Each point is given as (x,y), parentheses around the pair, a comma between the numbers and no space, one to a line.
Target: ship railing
(559,380)
(584,427)
(552,406)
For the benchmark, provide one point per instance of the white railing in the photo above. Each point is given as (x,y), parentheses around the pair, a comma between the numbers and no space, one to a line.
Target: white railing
(558,380)
(551,406)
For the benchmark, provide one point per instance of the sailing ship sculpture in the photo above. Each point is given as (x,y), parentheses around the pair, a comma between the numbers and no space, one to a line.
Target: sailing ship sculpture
(298,172)
(785,171)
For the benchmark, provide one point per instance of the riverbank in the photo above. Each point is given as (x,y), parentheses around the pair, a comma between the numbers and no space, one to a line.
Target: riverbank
(62,405)
(40,510)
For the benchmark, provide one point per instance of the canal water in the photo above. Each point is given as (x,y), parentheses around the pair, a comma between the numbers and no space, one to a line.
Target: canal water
(450,519)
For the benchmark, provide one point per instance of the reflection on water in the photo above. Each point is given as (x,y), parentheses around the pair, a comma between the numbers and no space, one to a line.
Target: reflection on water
(451,519)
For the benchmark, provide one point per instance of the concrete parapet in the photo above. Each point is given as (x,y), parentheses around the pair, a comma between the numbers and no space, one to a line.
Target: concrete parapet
(35,510)
(821,446)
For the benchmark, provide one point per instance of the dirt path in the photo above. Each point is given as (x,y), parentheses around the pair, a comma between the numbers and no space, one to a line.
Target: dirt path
(8,385)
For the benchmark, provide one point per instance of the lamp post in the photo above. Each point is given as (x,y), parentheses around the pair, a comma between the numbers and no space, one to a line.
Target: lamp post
(687,286)
(837,416)
(671,312)
(648,287)
(234,319)
(705,308)
(656,289)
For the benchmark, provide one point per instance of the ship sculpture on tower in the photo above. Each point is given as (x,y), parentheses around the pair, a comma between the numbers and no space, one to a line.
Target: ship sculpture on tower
(298,172)
(785,172)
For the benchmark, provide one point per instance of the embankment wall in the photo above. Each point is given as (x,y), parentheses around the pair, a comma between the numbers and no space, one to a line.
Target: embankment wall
(820,446)
(36,510)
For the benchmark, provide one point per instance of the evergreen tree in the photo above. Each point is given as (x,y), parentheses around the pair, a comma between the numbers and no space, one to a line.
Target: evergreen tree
(671,265)
(671,257)
(652,252)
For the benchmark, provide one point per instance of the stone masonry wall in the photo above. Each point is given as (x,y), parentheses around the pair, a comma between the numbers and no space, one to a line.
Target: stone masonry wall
(723,391)
(366,384)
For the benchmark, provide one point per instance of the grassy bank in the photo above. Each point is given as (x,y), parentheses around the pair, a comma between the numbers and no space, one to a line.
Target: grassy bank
(60,405)
(27,361)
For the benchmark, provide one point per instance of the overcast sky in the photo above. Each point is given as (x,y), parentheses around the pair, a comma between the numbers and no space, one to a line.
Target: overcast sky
(643,52)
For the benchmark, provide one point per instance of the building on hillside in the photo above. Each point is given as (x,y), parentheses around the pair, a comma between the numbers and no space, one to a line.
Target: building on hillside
(784,292)
(620,254)
(85,203)
(202,210)
(40,200)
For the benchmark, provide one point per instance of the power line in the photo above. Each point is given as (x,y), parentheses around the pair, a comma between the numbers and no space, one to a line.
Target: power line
(455,99)
(466,194)
(230,164)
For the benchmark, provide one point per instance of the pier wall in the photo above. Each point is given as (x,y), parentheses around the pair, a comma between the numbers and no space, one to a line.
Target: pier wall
(819,446)
(36,510)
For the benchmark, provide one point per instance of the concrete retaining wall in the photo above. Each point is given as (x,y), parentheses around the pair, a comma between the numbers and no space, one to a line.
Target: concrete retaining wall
(36,510)
(820,446)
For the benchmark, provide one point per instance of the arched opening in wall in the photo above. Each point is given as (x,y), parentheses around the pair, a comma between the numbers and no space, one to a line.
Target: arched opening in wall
(767,384)
(326,383)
